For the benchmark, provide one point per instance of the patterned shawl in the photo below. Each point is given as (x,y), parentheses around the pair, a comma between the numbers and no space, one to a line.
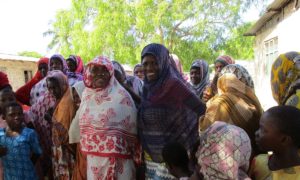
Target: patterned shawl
(235,103)
(224,152)
(76,76)
(203,66)
(169,109)
(107,117)
(285,79)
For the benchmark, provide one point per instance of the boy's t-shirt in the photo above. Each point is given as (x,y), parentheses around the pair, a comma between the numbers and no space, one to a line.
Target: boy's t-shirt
(17,163)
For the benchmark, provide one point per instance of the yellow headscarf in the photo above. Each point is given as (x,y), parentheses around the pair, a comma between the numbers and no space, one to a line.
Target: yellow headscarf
(285,77)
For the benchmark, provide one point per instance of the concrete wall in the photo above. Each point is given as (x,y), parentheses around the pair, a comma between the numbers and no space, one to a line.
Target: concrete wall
(15,71)
(284,26)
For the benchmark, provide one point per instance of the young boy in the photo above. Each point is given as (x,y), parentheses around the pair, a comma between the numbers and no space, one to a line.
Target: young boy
(278,133)
(21,145)
(177,160)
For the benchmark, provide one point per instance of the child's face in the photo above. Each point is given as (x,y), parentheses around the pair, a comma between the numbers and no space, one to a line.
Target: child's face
(6,96)
(14,117)
(268,136)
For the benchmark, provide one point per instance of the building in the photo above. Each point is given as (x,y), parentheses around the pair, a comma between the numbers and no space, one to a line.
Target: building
(19,69)
(275,32)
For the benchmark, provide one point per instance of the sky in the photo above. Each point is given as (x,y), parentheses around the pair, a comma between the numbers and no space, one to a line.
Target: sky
(23,23)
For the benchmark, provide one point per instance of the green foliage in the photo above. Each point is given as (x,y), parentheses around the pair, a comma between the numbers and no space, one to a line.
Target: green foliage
(239,46)
(30,54)
(121,28)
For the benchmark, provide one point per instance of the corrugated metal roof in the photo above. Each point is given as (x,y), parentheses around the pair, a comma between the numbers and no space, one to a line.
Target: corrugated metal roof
(17,58)
(272,9)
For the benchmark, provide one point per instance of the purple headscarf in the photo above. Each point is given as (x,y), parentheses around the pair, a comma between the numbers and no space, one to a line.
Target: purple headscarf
(169,109)
(204,70)
(62,59)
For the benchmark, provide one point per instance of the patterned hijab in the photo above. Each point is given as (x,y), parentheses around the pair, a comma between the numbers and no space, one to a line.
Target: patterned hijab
(285,77)
(224,152)
(76,76)
(203,66)
(62,59)
(240,72)
(169,109)
(106,114)
(225,60)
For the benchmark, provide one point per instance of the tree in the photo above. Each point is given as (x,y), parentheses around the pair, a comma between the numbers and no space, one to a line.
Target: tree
(30,54)
(238,45)
(121,28)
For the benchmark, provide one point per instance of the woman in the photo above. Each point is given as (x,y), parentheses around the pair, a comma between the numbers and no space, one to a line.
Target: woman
(23,93)
(220,63)
(224,153)
(75,69)
(62,154)
(199,74)
(285,81)
(56,62)
(179,66)
(138,71)
(74,135)
(108,132)
(235,103)
(169,109)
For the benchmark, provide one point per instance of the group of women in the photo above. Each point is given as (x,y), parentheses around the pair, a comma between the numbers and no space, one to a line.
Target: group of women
(98,122)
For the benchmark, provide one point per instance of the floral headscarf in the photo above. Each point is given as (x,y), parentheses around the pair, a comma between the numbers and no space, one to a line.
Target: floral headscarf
(225,60)
(224,152)
(285,76)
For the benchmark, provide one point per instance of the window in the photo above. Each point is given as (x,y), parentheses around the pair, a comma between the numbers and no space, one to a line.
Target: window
(27,75)
(271,53)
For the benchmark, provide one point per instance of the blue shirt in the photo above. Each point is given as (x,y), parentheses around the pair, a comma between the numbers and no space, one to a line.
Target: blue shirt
(17,163)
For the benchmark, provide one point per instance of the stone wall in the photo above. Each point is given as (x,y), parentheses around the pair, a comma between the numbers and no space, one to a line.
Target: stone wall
(15,71)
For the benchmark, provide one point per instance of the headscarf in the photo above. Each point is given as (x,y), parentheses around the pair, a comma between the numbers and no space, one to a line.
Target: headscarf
(235,103)
(179,66)
(132,81)
(285,77)
(169,109)
(225,60)
(240,72)
(76,76)
(203,66)
(4,82)
(62,60)
(224,152)
(23,93)
(107,115)
(61,79)
(74,135)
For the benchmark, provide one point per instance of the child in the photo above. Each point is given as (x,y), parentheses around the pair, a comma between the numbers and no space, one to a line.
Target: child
(279,133)
(177,160)
(21,145)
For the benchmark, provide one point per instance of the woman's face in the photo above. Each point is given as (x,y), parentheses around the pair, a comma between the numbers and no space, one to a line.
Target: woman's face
(219,66)
(71,65)
(56,64)
(151,68)
(139,72)
(54,88)
(100,76)
(195,75)
(43,69)
(76,98)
